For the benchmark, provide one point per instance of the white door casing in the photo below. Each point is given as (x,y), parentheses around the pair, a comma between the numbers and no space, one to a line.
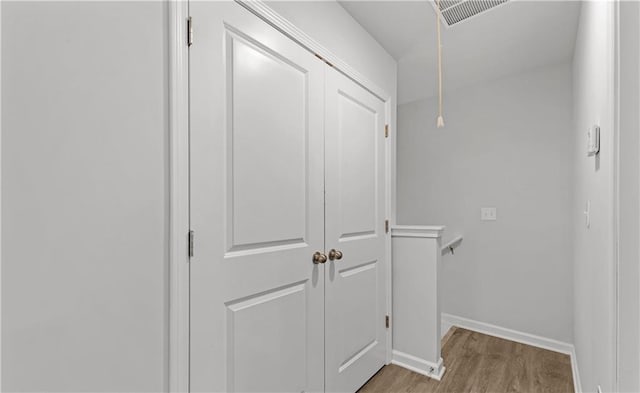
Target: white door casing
(257,206)
(355,301)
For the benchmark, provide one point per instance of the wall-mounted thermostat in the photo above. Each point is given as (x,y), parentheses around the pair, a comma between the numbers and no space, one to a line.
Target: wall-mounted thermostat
(593,140)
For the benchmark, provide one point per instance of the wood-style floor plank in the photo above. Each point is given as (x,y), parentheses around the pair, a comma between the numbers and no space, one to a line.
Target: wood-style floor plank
(480,363)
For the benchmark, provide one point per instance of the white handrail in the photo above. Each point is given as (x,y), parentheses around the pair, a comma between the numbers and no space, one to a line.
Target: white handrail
(449,246)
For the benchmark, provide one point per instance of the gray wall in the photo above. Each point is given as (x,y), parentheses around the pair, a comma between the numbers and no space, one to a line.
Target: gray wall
(593,92)
(84,196)
(629,272)
(506,144)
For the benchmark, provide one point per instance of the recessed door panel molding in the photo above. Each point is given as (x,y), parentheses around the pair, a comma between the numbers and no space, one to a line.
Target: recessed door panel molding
(267,126)
(355,303)
(257,206)
(359,304)
(274,350)
(358,166)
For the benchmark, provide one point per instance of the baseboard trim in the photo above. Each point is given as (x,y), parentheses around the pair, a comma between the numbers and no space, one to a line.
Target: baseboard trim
(420,366)
(448,321)
(577,385)
(508,334)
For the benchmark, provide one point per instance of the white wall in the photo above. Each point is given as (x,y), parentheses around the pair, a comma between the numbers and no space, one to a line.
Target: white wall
(629,269)
(507,145)
(594,266)
(84,196)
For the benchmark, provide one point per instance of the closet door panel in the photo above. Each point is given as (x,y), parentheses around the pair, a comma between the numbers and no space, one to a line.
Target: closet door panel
(257,206)
(267,137)
(354,225)
(356,159)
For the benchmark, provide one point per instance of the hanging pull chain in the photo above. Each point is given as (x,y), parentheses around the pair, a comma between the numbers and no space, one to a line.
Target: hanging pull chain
(440,121)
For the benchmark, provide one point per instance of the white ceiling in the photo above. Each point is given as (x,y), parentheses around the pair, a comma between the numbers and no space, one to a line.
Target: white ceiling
(512,38)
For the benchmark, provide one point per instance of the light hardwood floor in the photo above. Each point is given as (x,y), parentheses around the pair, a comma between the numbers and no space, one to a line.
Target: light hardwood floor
(476,362)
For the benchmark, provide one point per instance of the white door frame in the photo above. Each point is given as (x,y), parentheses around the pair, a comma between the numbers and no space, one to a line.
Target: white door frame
(178,12)
(615,112)
(178,351)
(0,200)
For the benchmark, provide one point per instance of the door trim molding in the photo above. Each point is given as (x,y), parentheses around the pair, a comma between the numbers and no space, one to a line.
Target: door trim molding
(0,202)
(390,214)
(614,107)
(178,258)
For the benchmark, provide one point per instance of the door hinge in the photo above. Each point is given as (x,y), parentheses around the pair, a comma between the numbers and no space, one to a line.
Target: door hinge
(191,240)
(386,226)
(323,59)
(387,321)
(386,130)
(189,31)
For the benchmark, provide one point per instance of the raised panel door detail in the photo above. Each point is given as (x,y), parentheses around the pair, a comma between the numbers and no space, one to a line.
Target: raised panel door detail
(267,159)
(266,341)
(357,169)
(359,304)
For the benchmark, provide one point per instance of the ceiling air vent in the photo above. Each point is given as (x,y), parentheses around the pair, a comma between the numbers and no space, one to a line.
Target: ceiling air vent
(456,11)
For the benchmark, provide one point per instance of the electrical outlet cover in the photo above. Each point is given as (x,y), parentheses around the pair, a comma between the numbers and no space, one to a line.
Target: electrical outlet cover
(488,214)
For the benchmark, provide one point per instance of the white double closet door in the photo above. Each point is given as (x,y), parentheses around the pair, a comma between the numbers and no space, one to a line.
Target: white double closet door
(287,159)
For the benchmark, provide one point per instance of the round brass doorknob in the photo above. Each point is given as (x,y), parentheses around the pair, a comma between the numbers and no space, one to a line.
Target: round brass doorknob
(319,257)
(335,254)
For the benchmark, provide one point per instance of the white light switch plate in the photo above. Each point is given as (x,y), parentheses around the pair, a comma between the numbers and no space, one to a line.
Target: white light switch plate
(488,214)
